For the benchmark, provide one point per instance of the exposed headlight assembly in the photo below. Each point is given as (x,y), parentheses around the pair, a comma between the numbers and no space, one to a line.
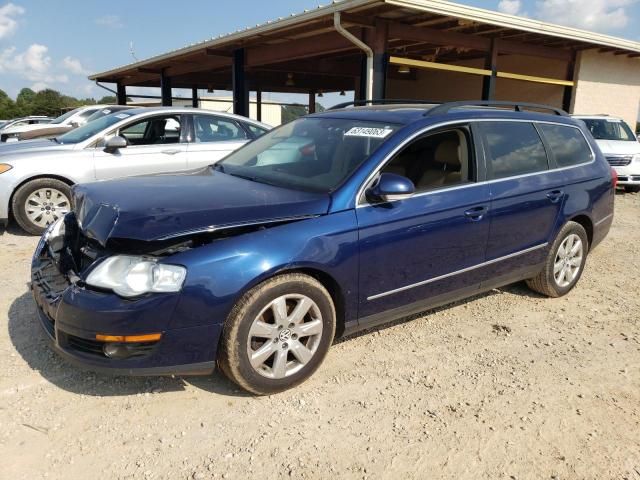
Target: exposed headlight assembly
(130,276)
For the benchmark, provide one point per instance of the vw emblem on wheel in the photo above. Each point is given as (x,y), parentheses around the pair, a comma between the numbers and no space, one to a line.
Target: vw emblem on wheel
(285,335)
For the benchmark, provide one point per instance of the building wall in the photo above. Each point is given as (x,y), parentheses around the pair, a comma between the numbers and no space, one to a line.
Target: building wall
(446,86)
(607,83)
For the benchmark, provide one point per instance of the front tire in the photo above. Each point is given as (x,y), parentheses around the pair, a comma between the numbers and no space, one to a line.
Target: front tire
(39,203)
(278,334)
(565,262)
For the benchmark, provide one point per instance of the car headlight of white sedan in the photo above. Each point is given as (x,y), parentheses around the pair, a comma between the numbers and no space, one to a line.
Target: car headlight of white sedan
(132,276)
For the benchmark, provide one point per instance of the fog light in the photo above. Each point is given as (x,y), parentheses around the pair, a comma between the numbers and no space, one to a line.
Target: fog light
(117,351)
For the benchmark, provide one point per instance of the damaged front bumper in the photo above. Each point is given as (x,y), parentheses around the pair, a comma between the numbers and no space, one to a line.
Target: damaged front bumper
(72,315)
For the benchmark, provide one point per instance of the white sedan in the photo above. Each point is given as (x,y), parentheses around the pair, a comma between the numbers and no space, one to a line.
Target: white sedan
(36,175)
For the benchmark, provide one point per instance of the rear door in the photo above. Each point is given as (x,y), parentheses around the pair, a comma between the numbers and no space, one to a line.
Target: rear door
(213,138)
(526,198)
(426,248)
(155,144)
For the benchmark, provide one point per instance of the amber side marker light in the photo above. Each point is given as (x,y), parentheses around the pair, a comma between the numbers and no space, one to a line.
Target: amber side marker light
(149,337)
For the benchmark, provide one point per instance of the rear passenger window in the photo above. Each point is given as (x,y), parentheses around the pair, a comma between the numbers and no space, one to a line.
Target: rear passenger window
(513,148)
(568,144)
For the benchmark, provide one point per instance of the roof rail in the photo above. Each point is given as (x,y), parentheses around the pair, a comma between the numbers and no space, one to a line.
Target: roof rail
(517,106)
(382,101)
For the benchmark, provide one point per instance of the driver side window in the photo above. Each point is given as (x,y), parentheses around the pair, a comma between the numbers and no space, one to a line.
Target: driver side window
(436,160)
(153,131)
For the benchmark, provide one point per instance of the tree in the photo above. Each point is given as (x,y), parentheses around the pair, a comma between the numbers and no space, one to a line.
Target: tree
(8,107)
(49,102)
(108,100)
(24,101)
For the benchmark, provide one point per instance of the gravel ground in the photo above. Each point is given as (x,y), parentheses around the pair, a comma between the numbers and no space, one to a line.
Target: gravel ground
(505,385)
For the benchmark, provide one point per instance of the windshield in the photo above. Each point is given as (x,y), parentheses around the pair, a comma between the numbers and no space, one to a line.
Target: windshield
(90,129)
(104,112)
(315,154)
(64,116)
(609,129)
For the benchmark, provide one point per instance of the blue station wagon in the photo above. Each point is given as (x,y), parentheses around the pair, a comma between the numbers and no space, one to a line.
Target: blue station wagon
(333,223)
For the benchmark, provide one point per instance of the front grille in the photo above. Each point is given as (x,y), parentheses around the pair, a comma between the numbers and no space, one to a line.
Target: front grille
(48,280)
(619,160)
(92,347)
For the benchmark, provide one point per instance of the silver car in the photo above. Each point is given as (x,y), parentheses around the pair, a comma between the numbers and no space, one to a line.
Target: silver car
(36,175)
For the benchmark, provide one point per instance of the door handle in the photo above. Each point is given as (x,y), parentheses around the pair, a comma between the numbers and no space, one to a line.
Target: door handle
(171,152)
(476,214)
(555,196)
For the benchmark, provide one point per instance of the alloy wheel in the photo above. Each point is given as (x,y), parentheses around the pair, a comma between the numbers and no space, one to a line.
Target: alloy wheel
(284,336)
(568,261)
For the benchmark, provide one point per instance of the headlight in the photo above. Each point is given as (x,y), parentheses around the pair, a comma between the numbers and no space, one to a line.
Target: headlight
(130,276)
(636,158)
(5,167)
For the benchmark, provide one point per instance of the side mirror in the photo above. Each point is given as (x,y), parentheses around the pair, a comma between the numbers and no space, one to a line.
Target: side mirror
(114,144)
(390,187)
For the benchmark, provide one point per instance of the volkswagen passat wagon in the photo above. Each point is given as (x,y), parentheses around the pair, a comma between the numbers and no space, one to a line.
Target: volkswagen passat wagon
(257,265)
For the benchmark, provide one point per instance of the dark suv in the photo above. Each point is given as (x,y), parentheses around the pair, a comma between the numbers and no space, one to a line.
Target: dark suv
(332,223)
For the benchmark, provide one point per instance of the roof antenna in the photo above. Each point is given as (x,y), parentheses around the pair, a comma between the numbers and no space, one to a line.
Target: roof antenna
(132,51)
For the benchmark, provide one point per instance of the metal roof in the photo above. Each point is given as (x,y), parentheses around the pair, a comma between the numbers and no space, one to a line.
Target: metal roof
(471,15)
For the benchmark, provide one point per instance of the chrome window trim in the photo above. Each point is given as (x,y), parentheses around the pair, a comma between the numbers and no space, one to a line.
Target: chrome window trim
(457,272)
(361,200)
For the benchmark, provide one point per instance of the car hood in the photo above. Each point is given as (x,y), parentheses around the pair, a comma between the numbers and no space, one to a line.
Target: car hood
(160,207)
(618,147)
(31,146)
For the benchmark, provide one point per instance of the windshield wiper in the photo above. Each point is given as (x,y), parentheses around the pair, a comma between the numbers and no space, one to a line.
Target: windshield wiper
(55,139)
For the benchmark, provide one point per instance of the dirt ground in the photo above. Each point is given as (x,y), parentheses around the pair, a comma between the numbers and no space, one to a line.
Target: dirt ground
(507,385)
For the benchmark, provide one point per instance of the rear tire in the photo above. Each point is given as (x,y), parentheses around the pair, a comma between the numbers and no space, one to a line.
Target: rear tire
(39,203)
(632,188)
(565,262)
(278,334)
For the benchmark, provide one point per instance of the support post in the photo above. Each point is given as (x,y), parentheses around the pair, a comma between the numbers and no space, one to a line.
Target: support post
(165,90)
(380,59)
(122,94)
(361,91)
(567,95)
(489,82)
(194,97)
(259,105)
(239,84)
(312,102)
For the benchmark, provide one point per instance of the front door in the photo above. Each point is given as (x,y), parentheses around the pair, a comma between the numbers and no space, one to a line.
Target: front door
(424,249)
(154,145)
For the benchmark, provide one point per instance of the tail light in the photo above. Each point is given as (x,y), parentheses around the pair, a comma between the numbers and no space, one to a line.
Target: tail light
(614,178)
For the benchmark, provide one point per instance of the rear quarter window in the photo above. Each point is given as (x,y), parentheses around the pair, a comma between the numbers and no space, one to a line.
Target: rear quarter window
(568,145)
(513,148)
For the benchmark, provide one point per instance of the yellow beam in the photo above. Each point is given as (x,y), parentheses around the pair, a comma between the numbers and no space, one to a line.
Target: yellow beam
(438,66)
(476,71)
(530,78)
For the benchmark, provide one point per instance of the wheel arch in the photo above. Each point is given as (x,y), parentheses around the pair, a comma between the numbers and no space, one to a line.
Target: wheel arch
(326,280)
(585,221)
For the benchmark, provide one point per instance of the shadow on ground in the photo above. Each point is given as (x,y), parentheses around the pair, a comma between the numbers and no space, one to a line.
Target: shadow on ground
(31,343)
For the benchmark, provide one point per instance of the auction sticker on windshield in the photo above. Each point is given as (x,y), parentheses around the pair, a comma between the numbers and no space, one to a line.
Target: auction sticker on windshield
(368,132)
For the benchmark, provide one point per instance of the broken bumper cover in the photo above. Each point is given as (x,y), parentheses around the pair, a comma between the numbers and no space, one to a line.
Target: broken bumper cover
(71,316)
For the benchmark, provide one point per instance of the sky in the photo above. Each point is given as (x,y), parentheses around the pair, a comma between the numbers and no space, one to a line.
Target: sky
(57,43)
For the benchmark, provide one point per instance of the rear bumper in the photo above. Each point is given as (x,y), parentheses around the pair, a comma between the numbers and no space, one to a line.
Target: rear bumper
(71,316)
